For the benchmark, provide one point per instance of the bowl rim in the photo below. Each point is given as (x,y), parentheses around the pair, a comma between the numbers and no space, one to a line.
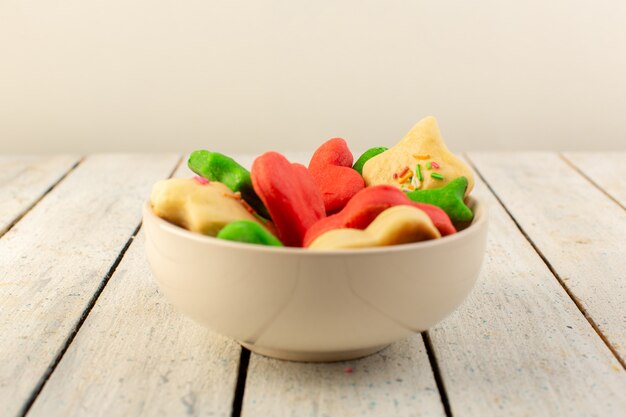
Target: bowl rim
(480,218)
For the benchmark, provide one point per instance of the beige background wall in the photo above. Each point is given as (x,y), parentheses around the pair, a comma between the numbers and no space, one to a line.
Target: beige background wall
(250,75)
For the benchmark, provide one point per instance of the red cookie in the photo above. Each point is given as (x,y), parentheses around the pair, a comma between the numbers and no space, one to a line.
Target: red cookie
(290,195)
(331,169)
(363,208)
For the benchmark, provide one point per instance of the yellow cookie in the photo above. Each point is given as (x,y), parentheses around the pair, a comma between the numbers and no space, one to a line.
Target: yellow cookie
(419,161)
(202,208)
(394,226)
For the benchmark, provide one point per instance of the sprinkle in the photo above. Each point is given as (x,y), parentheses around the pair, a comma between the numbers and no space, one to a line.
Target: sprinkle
(436,176)
(397,175)
(435,165)
(428,165)
(348,370)
(411,188)
(418,169)
(405,177)
(235,196)
(248,208)
(201,180)
(416,156)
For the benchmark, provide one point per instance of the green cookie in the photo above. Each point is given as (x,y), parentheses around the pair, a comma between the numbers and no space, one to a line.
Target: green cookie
(367,155)
(449,198)
(215,166)
(248,232)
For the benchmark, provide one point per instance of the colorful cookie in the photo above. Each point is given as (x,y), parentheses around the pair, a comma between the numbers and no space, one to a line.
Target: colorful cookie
(420,160)
(248,232)
(331,170)
(364,207)
(394,226)
(449,198)
(290,195)
(366,156)
(203,208)
(215,166)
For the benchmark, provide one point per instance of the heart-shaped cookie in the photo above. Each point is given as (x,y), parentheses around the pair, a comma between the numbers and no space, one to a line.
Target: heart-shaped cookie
(199,206)
(331,169)
(421,160)
(394,226)
(367,204)
(290,195)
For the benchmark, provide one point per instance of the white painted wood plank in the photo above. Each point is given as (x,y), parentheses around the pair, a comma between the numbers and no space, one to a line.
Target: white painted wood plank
(53,261)
(575,226)
(398,381)
(606,169)
(24,179)
(519,346)
(135,355)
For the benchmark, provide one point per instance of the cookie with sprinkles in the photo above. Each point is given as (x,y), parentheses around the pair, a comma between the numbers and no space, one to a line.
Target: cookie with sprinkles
(420,161)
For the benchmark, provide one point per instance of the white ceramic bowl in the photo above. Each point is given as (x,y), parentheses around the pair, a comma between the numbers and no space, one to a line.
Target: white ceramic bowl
(307,305)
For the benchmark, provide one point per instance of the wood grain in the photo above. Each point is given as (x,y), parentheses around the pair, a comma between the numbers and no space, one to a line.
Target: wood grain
(135,355)
(397,381)
(574,225)
(606,169)
(519,346)
(24,179)
(57,256)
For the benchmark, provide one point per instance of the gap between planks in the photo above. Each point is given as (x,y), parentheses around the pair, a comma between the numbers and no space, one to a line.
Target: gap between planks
(434,365)
(240,387)
(83,317)
(590,180)
(21,215)
(547,262)
(92,302)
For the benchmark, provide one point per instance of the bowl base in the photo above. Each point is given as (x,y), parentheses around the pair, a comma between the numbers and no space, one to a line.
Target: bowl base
(298,356)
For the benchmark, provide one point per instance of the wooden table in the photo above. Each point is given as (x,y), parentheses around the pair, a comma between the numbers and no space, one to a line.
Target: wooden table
(86,333)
